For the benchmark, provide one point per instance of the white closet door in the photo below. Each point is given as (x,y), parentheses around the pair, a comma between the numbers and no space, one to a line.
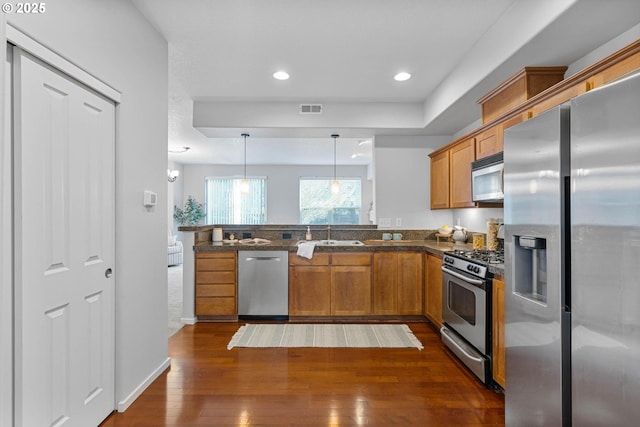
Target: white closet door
(64,216)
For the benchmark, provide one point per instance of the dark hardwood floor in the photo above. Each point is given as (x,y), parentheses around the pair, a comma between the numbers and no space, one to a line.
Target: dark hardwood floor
(208,385)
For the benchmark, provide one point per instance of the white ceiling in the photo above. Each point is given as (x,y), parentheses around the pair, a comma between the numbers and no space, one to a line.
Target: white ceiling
(343,54)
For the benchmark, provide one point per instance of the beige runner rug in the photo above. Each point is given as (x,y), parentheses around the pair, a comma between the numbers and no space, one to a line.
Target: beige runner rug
(324,335)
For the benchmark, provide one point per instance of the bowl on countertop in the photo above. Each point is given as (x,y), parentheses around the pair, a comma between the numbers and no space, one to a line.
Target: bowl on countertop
(445,231)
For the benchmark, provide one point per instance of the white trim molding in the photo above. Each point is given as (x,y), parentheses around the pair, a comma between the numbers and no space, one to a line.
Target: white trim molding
(35,48)
(6,231)
(127,401)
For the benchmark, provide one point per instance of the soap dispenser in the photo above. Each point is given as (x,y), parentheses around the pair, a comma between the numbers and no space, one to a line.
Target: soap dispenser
(308,236)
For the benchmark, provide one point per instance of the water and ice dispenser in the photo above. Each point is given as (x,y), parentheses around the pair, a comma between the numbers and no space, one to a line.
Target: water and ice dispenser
(530,268)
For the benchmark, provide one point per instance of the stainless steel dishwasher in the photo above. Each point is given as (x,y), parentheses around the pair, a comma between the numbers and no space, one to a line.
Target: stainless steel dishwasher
(263,284)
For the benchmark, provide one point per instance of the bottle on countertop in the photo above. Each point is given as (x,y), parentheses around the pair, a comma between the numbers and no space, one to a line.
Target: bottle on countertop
(308,236)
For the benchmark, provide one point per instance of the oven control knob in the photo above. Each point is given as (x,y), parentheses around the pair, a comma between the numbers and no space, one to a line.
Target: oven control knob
(469,267)
(476,269)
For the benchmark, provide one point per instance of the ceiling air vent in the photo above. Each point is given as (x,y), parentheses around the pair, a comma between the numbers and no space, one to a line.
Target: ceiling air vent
(310,108)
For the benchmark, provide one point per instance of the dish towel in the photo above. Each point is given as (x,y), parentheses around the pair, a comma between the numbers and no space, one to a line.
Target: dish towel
(305,249)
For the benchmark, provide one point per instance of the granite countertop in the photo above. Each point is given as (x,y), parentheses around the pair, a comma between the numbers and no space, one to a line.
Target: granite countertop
(429,246)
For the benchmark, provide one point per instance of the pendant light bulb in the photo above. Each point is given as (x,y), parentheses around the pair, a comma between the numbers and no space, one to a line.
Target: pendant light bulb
(244,184)
(335,184)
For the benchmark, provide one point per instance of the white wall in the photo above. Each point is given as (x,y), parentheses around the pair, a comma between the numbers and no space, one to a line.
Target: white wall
(474,219)
(283,204)
(174,196)
(112,41)
(605,50)
(402,189)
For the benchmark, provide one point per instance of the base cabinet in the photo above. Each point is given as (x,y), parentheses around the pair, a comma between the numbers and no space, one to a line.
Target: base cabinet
(337,284)
(350,290)
(397,283)
(499,356)
(310,291)
(433,289)
(216,284)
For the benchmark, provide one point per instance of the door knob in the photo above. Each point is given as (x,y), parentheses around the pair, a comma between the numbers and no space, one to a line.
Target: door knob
(108,272)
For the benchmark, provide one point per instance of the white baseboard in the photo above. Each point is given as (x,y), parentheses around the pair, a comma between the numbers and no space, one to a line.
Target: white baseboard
(189,320)
(124,404)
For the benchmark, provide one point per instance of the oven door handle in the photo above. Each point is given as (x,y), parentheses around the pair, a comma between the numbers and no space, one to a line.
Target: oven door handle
(445,332)
(462,277)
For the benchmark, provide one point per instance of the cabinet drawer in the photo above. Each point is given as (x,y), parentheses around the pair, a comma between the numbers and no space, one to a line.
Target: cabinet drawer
(215,306)
(317,259)
(351,259)
(215,291)
(213,277)
(216,264)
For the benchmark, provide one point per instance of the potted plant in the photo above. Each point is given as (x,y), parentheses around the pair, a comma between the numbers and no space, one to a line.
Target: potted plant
(192,213)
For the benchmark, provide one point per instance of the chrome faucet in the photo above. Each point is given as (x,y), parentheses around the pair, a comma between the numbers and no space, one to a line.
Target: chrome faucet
(328,232)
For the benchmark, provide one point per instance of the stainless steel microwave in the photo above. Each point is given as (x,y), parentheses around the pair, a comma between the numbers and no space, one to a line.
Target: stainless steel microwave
(487,179)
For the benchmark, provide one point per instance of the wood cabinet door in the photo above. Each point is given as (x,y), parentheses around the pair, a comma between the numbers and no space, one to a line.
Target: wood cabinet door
(460,173)
(440,181)
(409,283)
(499,356)
(350,290)
(489,142)
(433,289)
(309,291)
(385,293)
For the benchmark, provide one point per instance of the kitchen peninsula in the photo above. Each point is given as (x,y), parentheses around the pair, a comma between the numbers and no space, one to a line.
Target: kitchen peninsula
(402,277)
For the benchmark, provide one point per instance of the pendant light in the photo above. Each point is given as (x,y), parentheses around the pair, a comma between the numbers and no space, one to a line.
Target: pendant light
(244,185)
(335,184)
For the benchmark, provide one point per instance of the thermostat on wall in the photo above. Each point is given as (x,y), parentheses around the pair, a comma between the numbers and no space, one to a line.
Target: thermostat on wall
(150,198)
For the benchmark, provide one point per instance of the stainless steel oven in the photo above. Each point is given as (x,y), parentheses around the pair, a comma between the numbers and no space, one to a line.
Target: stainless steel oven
(466,312)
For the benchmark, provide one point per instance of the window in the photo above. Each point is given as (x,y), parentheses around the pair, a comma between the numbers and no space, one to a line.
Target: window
(225,204)
(319,206)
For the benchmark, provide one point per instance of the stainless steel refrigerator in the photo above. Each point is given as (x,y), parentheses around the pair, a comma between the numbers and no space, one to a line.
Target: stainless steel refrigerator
(572,262)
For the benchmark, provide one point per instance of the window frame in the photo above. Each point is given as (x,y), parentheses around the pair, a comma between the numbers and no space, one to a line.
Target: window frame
(333,208)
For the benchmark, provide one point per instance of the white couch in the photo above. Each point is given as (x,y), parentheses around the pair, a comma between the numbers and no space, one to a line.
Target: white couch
(174,250)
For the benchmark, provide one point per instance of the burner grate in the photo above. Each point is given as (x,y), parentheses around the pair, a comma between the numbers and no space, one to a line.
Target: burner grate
(483,255)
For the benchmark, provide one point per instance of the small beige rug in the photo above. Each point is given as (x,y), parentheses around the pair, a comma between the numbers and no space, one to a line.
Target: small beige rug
(324,335)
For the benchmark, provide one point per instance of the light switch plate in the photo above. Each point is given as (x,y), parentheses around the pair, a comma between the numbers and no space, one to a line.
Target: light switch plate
(385,222)
(398,222)
(150,198)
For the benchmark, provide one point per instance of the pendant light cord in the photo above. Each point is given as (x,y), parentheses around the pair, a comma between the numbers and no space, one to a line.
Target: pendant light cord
(334,136)
(245,135)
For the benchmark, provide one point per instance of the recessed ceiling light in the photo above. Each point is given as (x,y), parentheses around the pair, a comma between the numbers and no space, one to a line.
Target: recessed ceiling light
(179,150)
(281,75)
(402,76)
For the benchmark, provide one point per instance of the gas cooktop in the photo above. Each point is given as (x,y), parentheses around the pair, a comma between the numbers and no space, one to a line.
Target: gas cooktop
(484,255)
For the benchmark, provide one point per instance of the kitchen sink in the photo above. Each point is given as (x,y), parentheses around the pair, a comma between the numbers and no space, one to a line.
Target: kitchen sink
(333,242)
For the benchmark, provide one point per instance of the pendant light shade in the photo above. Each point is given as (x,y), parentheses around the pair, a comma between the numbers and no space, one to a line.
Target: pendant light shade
(244,185)
(335,184)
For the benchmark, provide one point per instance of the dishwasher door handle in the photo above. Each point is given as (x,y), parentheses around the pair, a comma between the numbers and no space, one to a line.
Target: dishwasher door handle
(263,258)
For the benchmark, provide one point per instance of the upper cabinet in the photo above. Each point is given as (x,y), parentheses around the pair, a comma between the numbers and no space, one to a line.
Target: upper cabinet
(462,155)
(524,85)
(451,176)
(440,180)
(525,95)
(489,142)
